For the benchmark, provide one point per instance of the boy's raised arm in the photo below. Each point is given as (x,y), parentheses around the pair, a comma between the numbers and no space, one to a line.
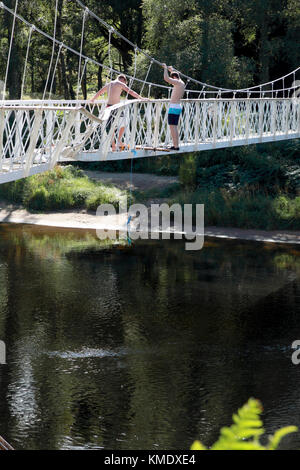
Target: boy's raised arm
(167,78)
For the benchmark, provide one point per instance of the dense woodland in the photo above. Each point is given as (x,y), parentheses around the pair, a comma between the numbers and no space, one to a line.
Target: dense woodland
(230,43)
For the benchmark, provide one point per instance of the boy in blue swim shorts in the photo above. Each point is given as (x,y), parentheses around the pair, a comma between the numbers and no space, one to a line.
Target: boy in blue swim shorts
(175,108)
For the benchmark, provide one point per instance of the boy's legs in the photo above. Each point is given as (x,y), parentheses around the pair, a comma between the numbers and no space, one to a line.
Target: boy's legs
(123,124)
(173,119)
(174,134)
(121,133)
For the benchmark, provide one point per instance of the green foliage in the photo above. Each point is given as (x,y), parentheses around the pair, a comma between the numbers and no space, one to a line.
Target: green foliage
(224,43)
(245,431)
(244,209)
(62,188)
(267,168)
(187,171)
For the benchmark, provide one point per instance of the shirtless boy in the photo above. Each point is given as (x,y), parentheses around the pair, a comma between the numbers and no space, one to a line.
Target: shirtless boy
(175,106)
(114,90)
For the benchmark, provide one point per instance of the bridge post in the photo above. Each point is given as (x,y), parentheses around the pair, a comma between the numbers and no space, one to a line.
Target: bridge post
(49,128)
(294,115)
(297,114)
(2,123)
(197,123)
(168,132)
(273,118)
(187,121)
(286,114)
(204,107)
(215,121)
(148,123)
(260,118)
(157,121)
(28,159)
(220,110)
(247,123)
(64,137)
(134,126)
(77,127)
(18,133)
(232,122)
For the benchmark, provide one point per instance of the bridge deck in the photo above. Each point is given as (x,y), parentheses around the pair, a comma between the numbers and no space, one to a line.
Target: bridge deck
(189,147)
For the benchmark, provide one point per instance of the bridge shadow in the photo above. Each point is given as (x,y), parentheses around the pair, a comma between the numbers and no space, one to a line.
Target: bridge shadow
(267,236)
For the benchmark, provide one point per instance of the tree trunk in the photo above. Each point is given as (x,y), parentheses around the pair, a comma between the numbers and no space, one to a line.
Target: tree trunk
(14,71)
(63,75)
(99,76)
(263,43)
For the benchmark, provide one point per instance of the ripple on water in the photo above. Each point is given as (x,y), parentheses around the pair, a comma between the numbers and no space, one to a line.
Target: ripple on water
(84,353)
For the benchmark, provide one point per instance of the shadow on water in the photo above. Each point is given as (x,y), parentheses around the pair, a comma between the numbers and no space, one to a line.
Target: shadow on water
(145,346)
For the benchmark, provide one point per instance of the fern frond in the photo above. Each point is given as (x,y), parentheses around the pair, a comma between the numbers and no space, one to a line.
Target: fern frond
(278,435)
(245,431)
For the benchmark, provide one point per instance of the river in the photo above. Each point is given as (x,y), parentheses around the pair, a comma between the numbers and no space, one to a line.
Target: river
(143,346)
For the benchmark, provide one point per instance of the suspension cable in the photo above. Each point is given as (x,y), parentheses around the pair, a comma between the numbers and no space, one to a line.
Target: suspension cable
(109,75)
(85,14)
(32,29)
(134,72)
(70,49)
(54,71)
(146,77)
(82,5)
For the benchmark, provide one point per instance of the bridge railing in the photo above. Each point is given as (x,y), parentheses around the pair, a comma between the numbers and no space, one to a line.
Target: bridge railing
(32,136)
(210,121)
(42,134)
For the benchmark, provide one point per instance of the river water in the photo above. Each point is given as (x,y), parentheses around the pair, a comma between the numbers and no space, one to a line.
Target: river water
(146,346)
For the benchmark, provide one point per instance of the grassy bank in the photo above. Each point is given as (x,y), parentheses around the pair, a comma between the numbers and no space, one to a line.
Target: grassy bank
(255,186)
(61,188)
(245,210)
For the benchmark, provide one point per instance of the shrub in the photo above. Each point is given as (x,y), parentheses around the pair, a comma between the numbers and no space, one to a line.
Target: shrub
(61,188)
(39,199)
(244,434)
(187,171)
(244,209)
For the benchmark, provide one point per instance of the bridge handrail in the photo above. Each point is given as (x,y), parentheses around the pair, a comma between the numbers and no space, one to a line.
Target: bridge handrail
(53,108)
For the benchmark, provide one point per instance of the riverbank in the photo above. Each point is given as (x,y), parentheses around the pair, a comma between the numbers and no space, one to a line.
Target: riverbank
(84,220)
(68,197)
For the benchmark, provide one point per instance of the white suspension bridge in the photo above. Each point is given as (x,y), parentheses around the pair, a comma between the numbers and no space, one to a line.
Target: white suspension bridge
(36,134)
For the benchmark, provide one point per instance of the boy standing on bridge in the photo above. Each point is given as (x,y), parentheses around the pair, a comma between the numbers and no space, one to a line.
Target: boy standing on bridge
(175,106)
(114,90)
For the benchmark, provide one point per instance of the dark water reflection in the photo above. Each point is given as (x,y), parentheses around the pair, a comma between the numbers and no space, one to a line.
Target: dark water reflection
(143,347)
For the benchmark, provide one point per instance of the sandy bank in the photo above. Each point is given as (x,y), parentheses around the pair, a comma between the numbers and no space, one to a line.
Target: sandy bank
(84,220)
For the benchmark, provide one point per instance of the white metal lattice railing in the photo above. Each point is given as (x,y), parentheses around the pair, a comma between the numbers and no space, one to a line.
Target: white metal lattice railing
(34,135)
(204,124)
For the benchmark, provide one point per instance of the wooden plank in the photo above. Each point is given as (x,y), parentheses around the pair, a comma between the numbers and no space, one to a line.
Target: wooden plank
(154,149)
